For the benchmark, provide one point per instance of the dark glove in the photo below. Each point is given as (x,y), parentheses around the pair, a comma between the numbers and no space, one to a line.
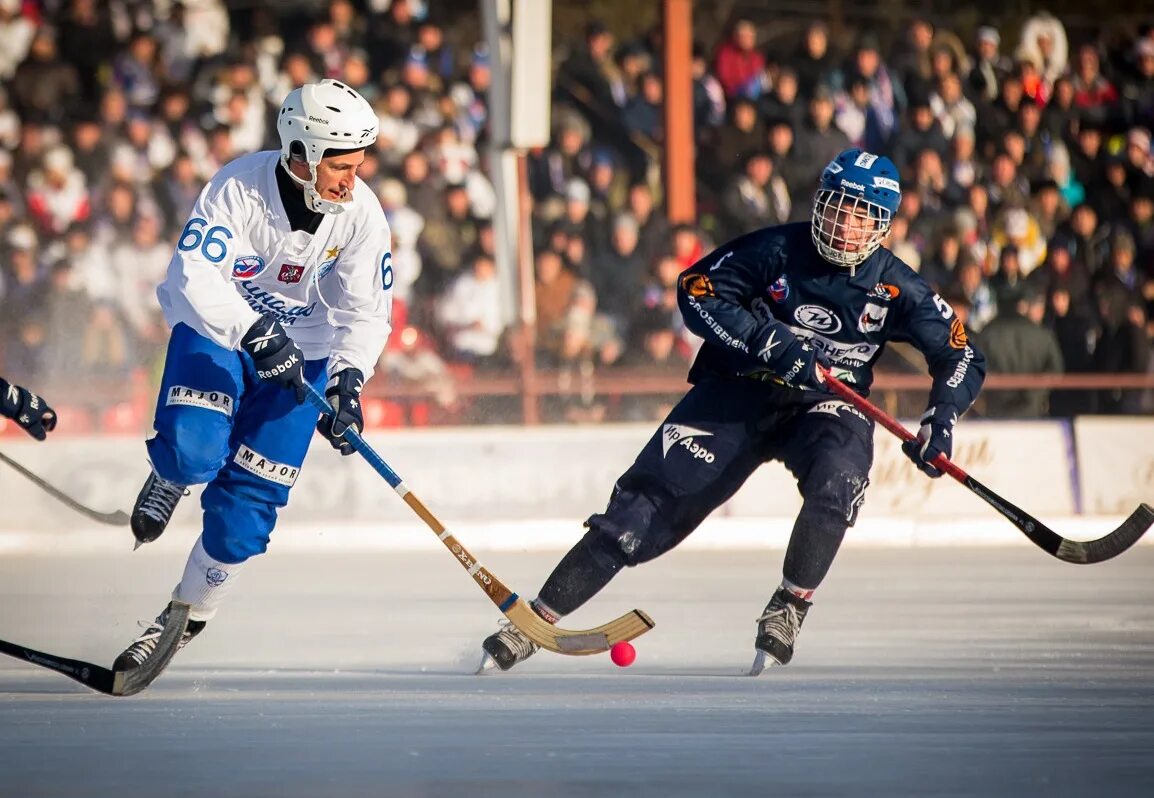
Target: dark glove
(935,437)
(344,394)
(797,361)
(27,409)
(276,356)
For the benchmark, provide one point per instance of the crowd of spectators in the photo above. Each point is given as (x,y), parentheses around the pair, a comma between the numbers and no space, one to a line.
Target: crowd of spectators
(1027,165)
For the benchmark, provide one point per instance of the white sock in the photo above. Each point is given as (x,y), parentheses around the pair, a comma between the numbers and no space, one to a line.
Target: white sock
(803,593)
(205,583)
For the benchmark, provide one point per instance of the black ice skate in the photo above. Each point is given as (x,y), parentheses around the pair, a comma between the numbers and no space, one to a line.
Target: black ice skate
(145,646)
(777,630)
(505,648)
(154,506)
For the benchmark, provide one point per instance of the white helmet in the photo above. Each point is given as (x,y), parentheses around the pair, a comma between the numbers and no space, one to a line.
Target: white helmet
(318,118)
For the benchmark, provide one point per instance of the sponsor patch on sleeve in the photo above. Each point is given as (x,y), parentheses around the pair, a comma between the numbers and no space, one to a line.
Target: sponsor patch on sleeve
(194,397)
(697,285)
(256,463)
(958,338)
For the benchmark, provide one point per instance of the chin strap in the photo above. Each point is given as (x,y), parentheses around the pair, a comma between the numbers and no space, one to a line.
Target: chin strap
(313,200)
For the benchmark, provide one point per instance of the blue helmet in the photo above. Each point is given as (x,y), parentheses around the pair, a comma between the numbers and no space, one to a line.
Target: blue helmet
(854,206)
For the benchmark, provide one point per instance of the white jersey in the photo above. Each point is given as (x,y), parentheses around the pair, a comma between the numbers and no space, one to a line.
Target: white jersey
(238,258)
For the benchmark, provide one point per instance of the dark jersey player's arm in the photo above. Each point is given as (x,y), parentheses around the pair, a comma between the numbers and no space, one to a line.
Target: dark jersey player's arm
(957,367)
(718,293)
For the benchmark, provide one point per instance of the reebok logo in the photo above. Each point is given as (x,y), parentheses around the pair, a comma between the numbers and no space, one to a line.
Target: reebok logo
(766,352)
(280,369)
(683,436)
(261,341)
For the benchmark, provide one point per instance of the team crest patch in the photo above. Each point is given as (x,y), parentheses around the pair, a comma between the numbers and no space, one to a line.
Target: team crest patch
(291,273)
(193,397)
(256,463)
(779,289)
(884,291)
(247,267)
(873,318)
(697,285)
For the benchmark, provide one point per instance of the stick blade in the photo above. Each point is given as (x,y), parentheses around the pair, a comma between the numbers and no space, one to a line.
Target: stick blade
(1105,548)
(577,642)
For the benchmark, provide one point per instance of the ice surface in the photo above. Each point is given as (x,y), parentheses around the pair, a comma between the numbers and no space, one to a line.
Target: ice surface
(922,672)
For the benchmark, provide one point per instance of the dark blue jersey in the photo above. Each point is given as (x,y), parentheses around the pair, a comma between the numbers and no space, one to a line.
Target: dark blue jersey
(752,294)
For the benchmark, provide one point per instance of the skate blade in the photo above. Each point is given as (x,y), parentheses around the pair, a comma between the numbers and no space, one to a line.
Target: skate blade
(487,664)
(760,662)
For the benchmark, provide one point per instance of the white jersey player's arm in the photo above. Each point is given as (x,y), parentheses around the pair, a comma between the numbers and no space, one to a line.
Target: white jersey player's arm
(362,312)
(197,290)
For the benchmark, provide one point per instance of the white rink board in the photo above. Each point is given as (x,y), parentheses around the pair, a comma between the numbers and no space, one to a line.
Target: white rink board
(509,474)
(1116,462)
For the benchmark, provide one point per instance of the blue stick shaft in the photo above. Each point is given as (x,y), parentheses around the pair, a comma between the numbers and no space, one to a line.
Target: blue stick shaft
(360,444)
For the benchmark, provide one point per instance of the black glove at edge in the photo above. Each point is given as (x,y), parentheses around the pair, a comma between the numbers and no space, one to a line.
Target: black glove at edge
(28,410)
(344,395)
(936,436)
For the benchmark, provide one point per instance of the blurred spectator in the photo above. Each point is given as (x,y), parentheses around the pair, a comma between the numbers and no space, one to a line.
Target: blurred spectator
(564,311)
(1017,228)
(785,101)
(652,228)
(1044,39)
(887,96)
(135,70)
(990,66)
(923,132)
(708,95)
(1060,117)
(447,239)
(818,141)
(911,60)
(754,199)
(1077,336)
(1093,93)
(589,74)
(1137,88)
(57,195)
(619,276)
(975,289)
(1123,349)
(739,64)
(1017,343)
(469,313)
(411,357)
(742,134)
(814,62)
(16,34)
(951,107)
(406,226)
(45,88)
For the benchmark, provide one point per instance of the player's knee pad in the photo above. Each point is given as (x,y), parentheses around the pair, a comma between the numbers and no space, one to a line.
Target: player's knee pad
(187,451)
(236,527)
(835,491)
(633,528)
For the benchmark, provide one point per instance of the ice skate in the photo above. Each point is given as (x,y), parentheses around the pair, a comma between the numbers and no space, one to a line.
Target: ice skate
(777,630)
(505,648)
(143,646)
(154,506)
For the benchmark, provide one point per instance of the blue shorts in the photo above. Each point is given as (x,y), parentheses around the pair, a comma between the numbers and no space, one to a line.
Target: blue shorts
(218,423)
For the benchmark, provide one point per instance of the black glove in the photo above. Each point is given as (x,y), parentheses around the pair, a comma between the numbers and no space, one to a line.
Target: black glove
(276,356)
(344,394)
(27,409)
(796,361)
(935,437)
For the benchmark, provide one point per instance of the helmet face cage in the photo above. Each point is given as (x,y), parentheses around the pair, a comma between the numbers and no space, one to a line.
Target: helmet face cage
(847,229)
